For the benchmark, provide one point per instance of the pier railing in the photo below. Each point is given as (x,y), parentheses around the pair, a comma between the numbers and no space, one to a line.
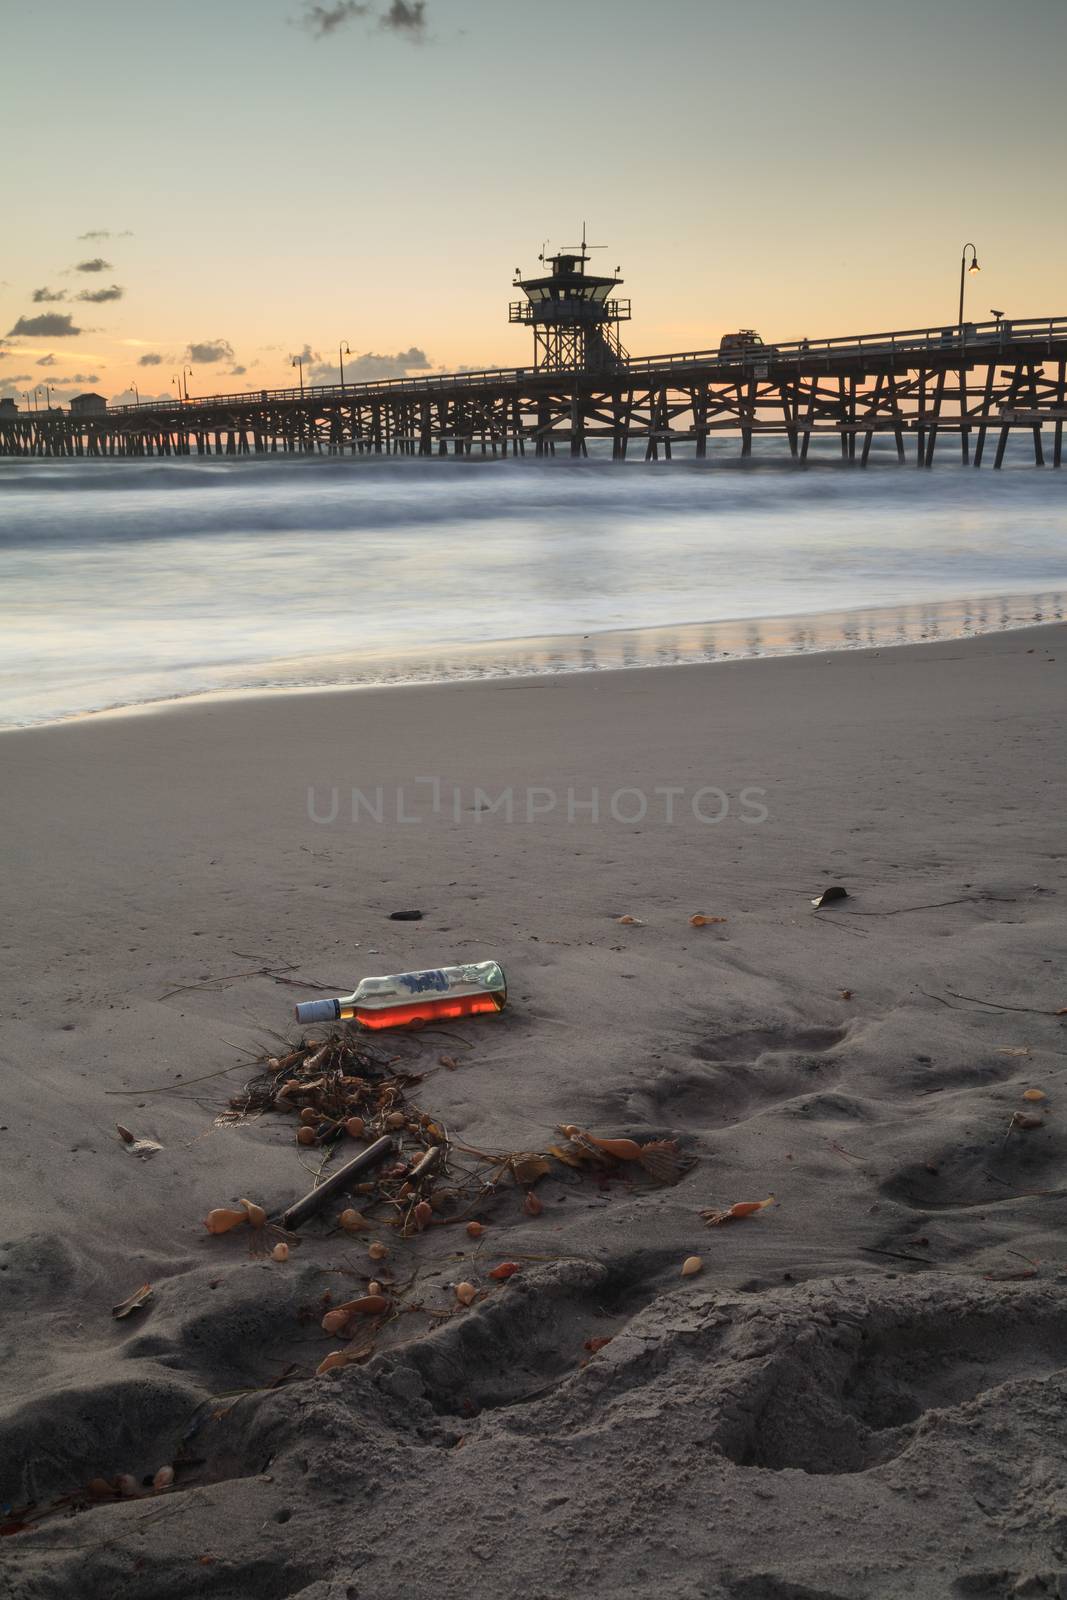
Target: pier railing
(970,340)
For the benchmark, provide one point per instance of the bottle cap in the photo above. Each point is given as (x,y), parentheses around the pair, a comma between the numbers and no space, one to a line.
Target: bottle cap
(318,1011)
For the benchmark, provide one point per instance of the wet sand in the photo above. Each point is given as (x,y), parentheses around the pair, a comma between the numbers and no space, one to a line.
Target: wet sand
(860,1394)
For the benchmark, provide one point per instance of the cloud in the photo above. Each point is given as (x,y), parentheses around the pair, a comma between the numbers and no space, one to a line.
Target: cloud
(99,296)
(105,233)
(82,377)
(150,360)
(47,296)
(97,264)
(307,356)
(323,19)
(371,367)
(51,324)
(47,361)
(128,398)
(210,350)
(238,371)
(407,17)
(404,17)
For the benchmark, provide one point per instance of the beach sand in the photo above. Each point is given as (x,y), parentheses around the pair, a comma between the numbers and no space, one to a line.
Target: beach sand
(861,1394)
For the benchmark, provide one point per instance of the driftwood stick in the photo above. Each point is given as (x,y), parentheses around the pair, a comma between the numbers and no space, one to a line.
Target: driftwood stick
(314,1202)
(426,1163)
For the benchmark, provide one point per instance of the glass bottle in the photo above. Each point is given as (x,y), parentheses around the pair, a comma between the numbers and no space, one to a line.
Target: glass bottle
(412,999)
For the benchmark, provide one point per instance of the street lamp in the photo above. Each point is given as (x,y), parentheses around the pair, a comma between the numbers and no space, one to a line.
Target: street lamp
(26,397)
(136,392)
(964,269)
(298,361)
(342,351)
(178,382)
(187,373)
(993,312)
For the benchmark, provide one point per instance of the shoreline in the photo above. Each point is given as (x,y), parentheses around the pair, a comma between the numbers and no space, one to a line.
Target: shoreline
(639,648)
(868,1351)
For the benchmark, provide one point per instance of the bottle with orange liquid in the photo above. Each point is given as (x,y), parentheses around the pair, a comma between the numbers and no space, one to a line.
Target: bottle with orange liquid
(411,999)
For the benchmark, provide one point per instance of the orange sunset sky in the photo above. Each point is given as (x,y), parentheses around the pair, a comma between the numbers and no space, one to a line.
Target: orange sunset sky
(223,184)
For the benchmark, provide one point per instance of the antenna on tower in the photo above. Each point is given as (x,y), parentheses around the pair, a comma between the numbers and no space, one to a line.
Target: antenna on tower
(584,247)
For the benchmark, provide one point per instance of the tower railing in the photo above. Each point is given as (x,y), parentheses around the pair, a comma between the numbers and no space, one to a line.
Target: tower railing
(569,310)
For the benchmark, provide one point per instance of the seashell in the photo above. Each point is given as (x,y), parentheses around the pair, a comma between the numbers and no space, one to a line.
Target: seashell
(1034,1094)
(335,1321)
(280,1252)
(255,1214)
(336,1358)
(422,1213)
(353,1221)
(374,1288)
(748,1208)
(98,1487)
(163,1478)
(621,1149)
(368,1305)
(126,1485)
(506,1269)
(377,1251)
(222,1219)
(533,1205)
(465,1293)
(691,1266)
(475,1229)
(698,920)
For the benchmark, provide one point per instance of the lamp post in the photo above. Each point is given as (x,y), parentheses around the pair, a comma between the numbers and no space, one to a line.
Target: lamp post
(964,270)
(27,398)
(187,373)
(136,392)
(298,361)
(178,383)
(342,351)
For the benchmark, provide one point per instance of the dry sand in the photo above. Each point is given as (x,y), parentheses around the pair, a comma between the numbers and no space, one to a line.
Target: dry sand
(863,1392)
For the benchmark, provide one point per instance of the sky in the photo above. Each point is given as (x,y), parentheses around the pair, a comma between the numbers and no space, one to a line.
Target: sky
(223,184)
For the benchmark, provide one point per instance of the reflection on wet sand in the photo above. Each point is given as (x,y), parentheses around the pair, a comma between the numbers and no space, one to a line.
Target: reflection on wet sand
(678,645)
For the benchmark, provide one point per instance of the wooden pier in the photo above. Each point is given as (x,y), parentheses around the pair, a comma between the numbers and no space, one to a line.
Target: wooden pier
(964,388)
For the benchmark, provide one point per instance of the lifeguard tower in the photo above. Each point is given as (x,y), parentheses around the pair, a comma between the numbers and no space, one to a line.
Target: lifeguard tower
(574,322)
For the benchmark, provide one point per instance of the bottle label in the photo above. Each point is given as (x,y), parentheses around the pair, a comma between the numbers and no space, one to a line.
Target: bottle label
(423,982)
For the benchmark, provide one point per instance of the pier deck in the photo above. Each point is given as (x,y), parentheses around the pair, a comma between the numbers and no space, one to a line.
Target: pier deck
(920,386)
